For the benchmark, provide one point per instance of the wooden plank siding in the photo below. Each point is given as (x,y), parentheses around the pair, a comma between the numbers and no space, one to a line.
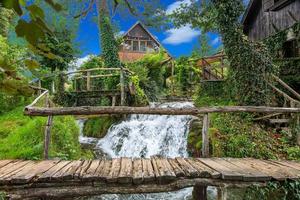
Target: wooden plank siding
(259,22)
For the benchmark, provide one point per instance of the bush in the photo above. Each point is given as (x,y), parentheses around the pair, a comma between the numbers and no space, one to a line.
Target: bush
(237,136)
(293,153)
(150,72)
(22,137)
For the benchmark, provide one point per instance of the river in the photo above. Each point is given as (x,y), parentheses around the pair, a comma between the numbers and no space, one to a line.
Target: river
(143,136)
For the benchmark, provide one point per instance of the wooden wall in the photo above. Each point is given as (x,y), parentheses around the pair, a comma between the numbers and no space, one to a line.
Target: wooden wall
(261,24)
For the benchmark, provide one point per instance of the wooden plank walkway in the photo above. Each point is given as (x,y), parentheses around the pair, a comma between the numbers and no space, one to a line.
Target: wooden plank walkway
(57,178)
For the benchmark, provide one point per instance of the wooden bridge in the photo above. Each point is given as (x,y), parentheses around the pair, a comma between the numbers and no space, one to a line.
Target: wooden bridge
(56,178)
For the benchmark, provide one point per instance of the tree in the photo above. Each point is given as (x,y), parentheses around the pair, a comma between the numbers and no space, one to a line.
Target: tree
(6,16)
(107,36)
(204,49)
(250,62)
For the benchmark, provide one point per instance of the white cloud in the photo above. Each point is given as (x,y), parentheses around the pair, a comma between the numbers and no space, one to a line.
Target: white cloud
(172,7)
(181,35)
(121,33)
(216,41)
(78,62)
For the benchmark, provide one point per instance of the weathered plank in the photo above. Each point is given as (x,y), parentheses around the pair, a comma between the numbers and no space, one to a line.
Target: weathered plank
(51,172)
(13,168)
(254,174)
(294,165)
(203,170)
(189,170)
(16,169)
(103,170)
(3,163)
(137,171)
(82,168)
(278,173)
(148,171)
(67,171)
(29,172)
(176,168)
(125,175)
(90,173)
(248,173)
(226,173)
(163,170)
(115,170)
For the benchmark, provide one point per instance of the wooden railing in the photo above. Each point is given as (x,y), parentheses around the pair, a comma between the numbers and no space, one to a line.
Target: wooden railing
(87,76)
(31,110)
(209,72)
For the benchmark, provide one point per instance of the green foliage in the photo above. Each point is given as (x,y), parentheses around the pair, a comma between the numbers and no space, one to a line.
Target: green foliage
(108,41)
(150,71)
(22,137)
(289,68)
(293,153)
(195,139)
(139,97)
(274,191)
(204,48)
(2,195)
(6,16)
(9,102)
(252,65)
(250,62)
(34,28)
(98,127)
(60,44)
(237,136)
(12,80)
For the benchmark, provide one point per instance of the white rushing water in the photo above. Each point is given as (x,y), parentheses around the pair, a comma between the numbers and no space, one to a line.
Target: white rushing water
(146,136)
(149,135)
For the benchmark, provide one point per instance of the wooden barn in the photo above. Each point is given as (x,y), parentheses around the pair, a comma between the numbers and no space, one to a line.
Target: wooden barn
(264,18)
(138,41)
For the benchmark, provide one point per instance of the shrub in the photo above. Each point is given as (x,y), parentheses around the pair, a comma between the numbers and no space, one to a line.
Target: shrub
(236,136)
(22,137)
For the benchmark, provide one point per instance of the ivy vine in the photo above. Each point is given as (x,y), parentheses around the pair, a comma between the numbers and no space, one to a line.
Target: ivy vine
(250,62)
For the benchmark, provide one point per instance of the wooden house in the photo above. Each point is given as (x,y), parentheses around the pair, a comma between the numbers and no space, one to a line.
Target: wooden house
(264,18)
(138,41)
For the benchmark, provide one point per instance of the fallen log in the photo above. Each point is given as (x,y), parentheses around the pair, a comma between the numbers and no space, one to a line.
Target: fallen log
(118,110)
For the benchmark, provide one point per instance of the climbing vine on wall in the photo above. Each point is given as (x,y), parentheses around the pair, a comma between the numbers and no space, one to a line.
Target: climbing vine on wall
(250,62)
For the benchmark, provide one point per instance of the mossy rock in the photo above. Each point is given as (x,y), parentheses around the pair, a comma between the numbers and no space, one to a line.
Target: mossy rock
(98,127)
(195,137)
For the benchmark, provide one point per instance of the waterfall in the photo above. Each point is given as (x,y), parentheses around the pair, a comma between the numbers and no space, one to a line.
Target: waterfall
(149,135)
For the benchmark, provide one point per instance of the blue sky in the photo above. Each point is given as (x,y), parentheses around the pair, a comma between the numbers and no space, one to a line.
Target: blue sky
(178,42)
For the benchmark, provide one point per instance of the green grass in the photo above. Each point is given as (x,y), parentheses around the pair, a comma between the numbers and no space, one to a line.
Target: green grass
(21,137)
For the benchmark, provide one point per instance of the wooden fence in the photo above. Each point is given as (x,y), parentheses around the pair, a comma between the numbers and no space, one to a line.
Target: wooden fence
(32,110)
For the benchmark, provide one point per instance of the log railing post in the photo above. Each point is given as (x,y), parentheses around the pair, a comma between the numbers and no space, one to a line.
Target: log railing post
(47,134)
(88,80)
(122,84)
(52,86)
(205,136)
(39,86)
(113,101)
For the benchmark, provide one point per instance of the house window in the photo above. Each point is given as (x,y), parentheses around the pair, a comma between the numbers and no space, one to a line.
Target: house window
(143,46)
(128,45)
(135,46)
(291,49)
